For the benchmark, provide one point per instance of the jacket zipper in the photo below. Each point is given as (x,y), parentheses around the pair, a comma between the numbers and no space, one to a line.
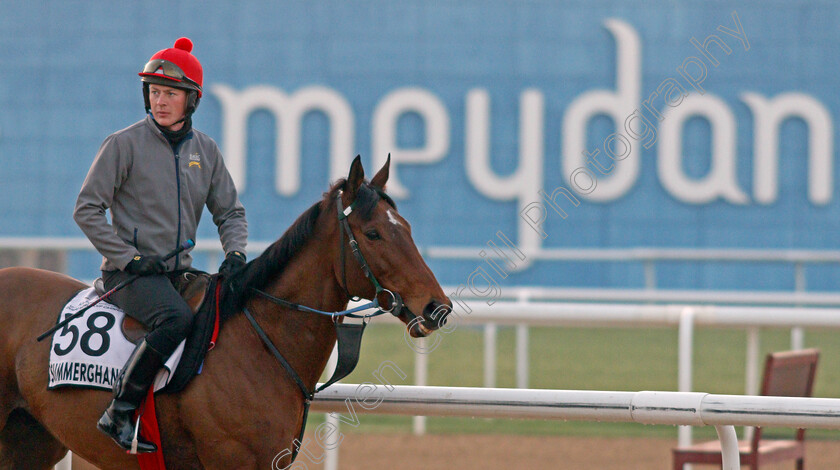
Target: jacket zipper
(178,182)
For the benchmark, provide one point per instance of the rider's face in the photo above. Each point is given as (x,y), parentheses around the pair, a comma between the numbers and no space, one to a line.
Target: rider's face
(168,105)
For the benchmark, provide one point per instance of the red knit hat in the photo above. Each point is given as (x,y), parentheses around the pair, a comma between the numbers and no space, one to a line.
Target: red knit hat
(175,67)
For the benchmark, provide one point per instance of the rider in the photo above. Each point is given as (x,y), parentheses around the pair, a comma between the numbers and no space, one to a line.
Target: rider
(156,176)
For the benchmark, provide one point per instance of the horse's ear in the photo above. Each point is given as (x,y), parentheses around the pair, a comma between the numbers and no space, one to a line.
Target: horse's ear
(355,178)
(382,175)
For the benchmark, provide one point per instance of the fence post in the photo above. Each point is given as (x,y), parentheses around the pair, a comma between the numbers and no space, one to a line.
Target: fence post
(752,370)
(66,463)
(331,459)
(421,377)
(684,372)
(490,355)
(731,459)
(522,367)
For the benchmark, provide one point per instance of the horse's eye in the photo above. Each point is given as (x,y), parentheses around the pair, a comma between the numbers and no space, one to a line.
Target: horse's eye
(372,235)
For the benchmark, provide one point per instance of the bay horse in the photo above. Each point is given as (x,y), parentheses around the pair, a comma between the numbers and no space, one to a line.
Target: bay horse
(244,408)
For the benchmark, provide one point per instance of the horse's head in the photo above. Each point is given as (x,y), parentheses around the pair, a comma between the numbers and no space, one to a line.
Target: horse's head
(384,241)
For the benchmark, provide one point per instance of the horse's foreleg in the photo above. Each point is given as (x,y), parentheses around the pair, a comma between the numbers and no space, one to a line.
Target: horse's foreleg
(30,300)
(24,443)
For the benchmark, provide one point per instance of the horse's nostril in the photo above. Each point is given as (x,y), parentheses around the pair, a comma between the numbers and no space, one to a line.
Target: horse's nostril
(436,313)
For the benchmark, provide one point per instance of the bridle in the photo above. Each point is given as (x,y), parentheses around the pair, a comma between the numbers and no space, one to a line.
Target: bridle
(348,336)
(396,299)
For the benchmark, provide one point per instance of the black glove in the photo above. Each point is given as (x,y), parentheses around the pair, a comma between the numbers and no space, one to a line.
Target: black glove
(146,265)
(234,261)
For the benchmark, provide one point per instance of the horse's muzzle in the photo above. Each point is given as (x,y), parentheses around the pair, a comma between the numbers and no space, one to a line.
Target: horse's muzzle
(435,314)
(433,317)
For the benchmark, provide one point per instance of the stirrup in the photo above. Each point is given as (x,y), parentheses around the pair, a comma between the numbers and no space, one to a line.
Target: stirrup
(133,450)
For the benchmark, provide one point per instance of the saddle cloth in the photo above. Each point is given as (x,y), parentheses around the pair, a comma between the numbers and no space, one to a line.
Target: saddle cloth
(92,349)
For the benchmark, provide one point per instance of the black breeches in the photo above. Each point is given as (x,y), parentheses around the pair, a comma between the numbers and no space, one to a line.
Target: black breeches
(154,302)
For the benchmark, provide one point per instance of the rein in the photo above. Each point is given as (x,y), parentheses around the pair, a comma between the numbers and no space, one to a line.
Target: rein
(350,313)
(348,336)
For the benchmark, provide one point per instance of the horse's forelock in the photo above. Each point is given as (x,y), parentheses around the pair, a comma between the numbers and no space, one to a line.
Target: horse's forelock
(366,198)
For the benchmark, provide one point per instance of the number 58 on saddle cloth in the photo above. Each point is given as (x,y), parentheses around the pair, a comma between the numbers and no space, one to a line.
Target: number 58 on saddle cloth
(92,349)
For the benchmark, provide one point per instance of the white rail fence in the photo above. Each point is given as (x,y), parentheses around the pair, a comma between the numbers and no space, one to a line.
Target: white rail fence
(345,401)
(673,408)
(685,318)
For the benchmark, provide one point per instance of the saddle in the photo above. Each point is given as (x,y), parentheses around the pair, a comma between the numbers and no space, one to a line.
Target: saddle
(193,287)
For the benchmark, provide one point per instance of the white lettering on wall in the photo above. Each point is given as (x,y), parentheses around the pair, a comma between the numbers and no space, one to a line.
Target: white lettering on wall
(721,181)
(768,115)
(433,112)
(288,112)
(602,174)
(618,106)
(526,180)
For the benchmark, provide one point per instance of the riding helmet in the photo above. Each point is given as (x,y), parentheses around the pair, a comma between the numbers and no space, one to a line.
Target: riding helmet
(175,67)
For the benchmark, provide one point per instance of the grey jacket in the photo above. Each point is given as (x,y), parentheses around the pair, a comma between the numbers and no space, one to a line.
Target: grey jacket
(156,196)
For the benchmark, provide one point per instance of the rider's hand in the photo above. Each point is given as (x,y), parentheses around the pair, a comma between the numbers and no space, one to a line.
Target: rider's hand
(234,261)
(146,265)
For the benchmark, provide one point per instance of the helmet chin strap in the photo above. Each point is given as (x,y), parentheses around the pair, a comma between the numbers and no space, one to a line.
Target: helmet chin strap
(179,120)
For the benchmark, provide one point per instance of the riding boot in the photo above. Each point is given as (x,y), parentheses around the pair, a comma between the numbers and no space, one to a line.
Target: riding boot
(129,390)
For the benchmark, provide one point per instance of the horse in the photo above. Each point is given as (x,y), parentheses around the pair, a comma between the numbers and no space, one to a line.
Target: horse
(244,408)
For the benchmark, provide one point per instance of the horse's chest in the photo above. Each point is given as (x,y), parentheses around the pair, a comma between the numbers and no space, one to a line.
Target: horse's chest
(230,429)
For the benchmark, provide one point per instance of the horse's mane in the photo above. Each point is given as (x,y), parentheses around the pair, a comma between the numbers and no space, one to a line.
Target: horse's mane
(273,261)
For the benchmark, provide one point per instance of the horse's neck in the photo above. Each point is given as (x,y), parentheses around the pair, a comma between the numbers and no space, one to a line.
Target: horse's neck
(305,339)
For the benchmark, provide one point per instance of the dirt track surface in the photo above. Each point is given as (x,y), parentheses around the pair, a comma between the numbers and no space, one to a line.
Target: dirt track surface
(469,452)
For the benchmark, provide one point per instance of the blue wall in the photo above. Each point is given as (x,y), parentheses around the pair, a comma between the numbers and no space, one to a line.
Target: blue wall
(68,79)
